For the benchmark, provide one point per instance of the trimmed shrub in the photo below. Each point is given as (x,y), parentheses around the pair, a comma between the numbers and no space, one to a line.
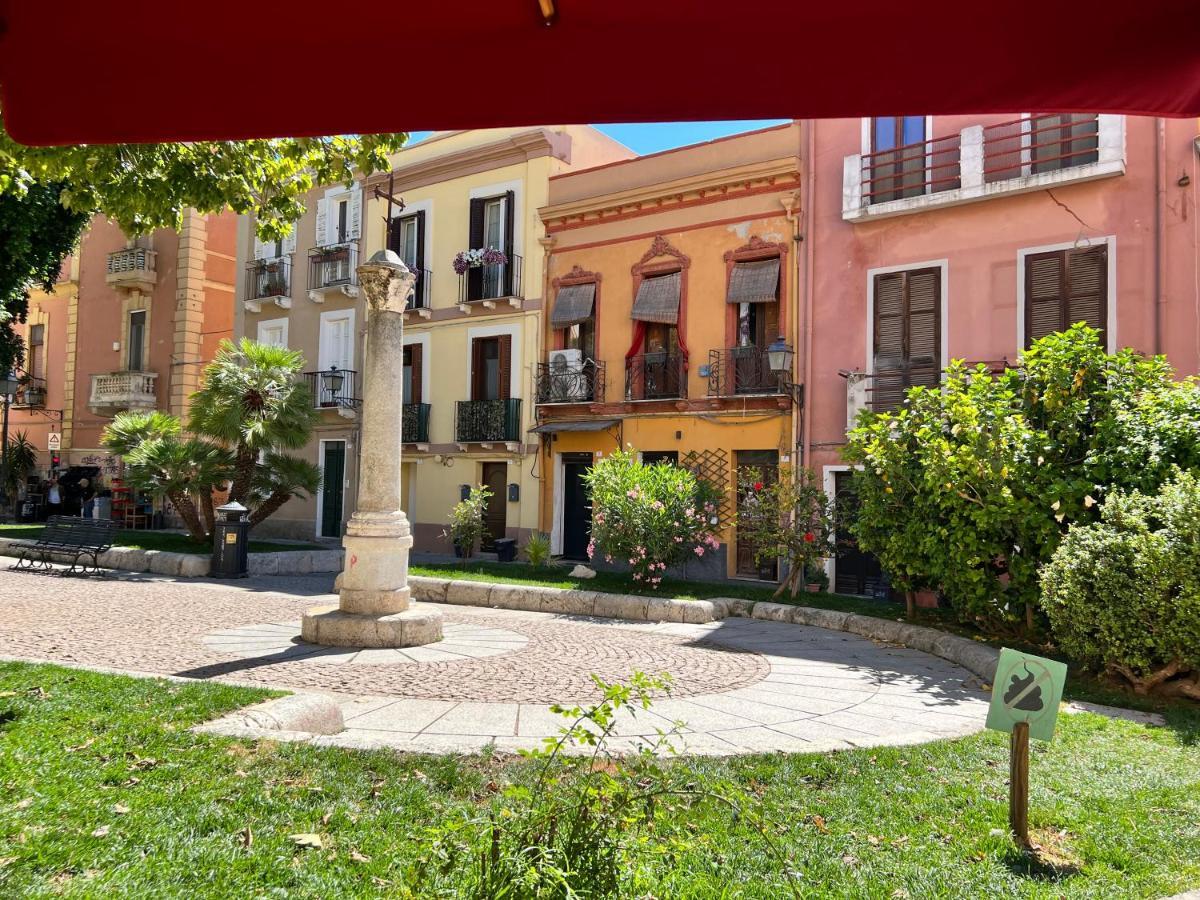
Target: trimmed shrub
(1123,594)
(466,521)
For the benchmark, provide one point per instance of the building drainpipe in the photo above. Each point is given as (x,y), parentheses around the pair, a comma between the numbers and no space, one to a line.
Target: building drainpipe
(807,206)
(1160,202)
(545,506)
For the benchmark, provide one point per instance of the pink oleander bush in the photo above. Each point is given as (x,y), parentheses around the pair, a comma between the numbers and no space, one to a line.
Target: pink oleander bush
(650,517)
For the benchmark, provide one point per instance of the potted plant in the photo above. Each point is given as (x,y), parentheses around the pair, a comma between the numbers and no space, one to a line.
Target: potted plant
(476,257)
(466,522)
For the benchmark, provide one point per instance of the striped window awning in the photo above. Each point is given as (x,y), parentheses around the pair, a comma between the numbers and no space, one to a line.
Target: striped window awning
(754,282)
(573,304)
(657,299)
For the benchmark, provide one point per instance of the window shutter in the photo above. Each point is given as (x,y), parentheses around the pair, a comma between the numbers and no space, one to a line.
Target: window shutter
(907,334)
(415,357)
(510,209)
(1043,295)
(322,229)
(923,302)
(889,320)
(505,356)
(476,369)
(289,242)
(1087,274)
(354,214)
(261,250)
(474,241)
(420,241)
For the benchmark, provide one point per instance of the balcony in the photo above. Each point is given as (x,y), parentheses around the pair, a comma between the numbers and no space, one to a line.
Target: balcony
(570,380)
(484,285)
(268,280)
(1014,157)
(132,269)
(332,268)
(656,376)
(31,394)
(740,371)
(885,390)
(335,389)
(419,303)
(487,421)
(414,423)
(118,391)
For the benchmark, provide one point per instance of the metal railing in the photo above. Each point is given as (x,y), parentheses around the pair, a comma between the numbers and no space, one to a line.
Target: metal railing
(484,421)
(1039,144)
(332,266)
(656,376)
(334,388)
(887,388)
(131,259)
(923,167)
(582,384)
(266,278)
(491,282)
(421,290)
(31,393)
(739,371)
(414,423)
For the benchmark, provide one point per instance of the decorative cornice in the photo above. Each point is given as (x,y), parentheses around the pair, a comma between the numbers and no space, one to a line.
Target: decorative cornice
(577,275)
(660,247)
(755,248)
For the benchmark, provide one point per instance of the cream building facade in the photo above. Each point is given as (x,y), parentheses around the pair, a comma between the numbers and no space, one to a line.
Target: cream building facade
(472,340)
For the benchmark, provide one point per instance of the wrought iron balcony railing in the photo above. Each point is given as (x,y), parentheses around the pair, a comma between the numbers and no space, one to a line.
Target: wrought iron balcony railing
(487,421)
(739,371)
(579,383)
(267,279)
(493,282)
(656,376)
(414,423)
(334,388)
(334,266)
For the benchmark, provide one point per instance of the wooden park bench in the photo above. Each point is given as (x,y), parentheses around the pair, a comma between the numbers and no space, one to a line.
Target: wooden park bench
(69,536)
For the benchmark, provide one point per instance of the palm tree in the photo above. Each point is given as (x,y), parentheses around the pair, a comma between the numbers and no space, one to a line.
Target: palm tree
(22,458)
(279,479)
(161,461)
(253,402)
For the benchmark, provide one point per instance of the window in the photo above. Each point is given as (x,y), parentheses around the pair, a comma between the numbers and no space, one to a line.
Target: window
(273,332)
(898,160)
(582,337)
(492,226)
(407,240)
(343,221)
(137,337)
(493,223)
(336,348)
(653,457)
(491,359)
(412,373)
(573,317)
(1063,141)
(754,287)
(907,334)
(1063,287)
(37,337)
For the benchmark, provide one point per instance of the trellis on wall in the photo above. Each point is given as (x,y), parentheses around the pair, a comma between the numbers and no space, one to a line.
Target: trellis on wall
(712,466)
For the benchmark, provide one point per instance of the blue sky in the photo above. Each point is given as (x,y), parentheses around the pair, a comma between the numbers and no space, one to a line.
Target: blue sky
(655,136)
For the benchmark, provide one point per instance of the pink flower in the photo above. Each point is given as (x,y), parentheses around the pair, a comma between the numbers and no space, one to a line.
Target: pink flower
(657,504)
(699,550)
(689,512)
(632,561)
(631,494)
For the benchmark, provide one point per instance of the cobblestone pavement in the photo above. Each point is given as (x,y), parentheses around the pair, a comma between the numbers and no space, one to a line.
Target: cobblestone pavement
(740,685)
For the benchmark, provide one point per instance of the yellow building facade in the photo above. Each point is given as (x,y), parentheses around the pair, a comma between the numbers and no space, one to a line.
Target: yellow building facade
(668,277)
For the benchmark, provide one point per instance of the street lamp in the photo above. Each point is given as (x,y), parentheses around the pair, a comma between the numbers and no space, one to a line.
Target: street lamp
(8,387)
(779,361)
(331,381)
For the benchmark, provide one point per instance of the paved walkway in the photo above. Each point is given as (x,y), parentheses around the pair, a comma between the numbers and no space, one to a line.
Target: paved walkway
(740,685)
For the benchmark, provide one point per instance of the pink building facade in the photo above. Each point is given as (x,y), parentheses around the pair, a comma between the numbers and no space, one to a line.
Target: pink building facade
(930,239)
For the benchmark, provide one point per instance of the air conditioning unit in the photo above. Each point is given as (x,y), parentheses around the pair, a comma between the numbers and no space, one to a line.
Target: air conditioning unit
(568,383)
(857,396)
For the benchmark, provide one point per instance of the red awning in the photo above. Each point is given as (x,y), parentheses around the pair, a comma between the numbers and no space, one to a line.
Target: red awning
(145,70)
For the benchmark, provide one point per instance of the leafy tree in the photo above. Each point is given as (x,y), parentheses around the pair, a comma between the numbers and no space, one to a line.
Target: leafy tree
(162,461)
(466,521)
(970,487)
(785,516)
(22,458)
(49,194)
(278,480)
(253,402)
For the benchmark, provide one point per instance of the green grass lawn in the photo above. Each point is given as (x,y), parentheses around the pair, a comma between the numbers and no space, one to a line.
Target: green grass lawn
(105,793)
(157,540)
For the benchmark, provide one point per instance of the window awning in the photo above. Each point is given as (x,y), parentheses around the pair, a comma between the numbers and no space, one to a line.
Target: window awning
(657,299)
(754,282)
(584,425)
(573,304)
(1116,56)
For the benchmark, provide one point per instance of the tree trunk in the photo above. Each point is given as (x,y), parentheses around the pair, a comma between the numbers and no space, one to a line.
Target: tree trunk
(269,506)
(1144,684)
(187,511)
(910,603)
(206,510)
(244,465)
(1029,620)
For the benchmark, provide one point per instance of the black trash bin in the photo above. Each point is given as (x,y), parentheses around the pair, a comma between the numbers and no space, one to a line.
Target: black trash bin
(230,540)
(506,549)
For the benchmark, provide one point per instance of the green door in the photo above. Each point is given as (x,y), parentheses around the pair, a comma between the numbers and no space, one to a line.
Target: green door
(333,487)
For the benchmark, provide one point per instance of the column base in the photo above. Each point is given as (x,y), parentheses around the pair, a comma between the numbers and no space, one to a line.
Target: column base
(331,626)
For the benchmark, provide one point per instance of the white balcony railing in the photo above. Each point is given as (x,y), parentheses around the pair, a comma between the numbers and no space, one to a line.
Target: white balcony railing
(979,162)
(123,390)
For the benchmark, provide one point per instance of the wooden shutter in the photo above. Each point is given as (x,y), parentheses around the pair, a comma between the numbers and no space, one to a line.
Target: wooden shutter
(907,334)
(477,376)
(924,336)
(322,230)
(289,242)
(505,365)
(419,286)
(354,214)
(1064,287)
(474,241)
(262,250)
(510,207)
(415,361)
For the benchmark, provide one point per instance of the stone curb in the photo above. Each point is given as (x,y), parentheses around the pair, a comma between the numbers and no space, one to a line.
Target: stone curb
(977,658)
(306,714)
(195,565)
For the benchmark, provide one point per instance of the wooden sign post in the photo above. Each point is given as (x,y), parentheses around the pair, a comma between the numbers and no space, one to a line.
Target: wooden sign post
(1025,698)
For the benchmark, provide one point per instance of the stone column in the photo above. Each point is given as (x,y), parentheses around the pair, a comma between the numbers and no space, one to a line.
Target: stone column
(375,609)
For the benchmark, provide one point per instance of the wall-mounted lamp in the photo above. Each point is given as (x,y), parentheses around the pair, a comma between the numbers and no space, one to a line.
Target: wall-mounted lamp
(779,361)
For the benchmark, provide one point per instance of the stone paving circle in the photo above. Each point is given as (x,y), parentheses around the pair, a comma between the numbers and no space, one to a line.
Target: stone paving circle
(739,685)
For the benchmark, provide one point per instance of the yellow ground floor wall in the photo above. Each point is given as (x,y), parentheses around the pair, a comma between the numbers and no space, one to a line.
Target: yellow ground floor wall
(720,435)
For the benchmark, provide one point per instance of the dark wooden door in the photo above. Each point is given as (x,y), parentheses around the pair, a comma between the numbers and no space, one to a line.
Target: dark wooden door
(333,487)
(495,515)
(577,505)
(855,571)
(766,462)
